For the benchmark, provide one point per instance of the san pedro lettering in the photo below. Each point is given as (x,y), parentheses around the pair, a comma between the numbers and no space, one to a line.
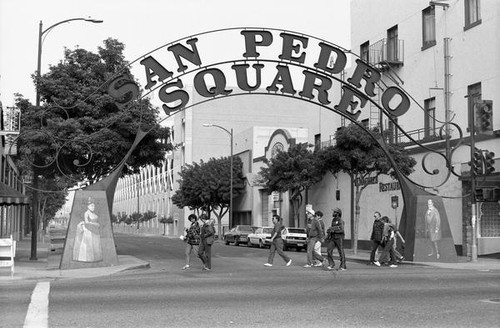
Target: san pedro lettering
(317,80)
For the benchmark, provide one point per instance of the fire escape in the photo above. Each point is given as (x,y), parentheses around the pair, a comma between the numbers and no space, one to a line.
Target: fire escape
(386,55)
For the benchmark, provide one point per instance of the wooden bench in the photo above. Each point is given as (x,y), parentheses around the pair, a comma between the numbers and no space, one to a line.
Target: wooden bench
(7,253)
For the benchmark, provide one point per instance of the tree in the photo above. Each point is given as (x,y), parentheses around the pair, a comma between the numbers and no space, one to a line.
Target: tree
(51,200)
(295,171)
(206,186)
(79,131)
(360,156)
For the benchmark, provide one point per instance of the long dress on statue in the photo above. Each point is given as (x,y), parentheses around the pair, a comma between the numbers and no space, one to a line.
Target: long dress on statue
(87,246)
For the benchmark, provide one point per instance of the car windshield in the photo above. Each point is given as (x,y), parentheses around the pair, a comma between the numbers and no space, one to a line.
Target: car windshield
(296,230)
(267,230)
(246,228)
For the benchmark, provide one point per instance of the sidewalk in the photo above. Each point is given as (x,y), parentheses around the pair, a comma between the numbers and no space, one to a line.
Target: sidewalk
(47,264)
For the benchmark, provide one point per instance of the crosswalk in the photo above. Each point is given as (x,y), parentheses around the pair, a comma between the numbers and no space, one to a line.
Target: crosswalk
(38,310)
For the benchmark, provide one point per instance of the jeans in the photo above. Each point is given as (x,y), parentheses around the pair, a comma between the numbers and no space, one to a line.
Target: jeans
(277,246)
(205,254)
(388,256)
(190,248)
(337,242)
(375,246)
(311,253)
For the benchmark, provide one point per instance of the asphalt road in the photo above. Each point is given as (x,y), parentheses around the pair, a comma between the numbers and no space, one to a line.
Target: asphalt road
(241,292)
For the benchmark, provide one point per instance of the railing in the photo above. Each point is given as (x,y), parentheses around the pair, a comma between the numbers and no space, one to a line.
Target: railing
(383,53)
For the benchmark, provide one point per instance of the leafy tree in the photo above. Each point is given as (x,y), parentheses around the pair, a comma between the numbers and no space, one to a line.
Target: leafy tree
(79,131)
(295,171)
(360,156)
(136,218)
(206,186)
(147,216)
(50,201)
(164,220)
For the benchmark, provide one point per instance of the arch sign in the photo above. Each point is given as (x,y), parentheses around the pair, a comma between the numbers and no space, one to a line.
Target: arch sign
(277,61)
(264,61)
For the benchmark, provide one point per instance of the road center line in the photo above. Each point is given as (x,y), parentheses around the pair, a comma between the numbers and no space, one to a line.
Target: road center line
(38,310)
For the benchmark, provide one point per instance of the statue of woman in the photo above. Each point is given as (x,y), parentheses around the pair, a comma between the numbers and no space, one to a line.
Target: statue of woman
(87,246)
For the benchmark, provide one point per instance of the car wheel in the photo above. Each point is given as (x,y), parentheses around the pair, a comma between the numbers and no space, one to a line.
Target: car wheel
(226,241)
(261,244)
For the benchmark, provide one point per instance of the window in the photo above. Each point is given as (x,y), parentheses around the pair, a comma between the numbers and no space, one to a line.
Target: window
(473,96)
(392,44)
(428,28)
(472,13)
(430,117)
(364,52)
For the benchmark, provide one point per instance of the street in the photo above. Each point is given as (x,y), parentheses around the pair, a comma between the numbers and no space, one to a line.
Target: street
(241,292)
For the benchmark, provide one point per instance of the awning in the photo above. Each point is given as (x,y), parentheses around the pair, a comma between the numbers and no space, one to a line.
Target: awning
(10,196)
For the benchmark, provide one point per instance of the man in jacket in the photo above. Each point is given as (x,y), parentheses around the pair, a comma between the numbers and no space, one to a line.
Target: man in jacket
(314,233)
(376,237)
(207,239)
(336,239)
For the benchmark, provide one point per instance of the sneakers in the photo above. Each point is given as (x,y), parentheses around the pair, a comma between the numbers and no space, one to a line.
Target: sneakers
(342,269)
(377,263)
(393,266)
(330,267)
(185,267)
(289,262)
(206,269)
(307,266)
(268,264)
(318,264)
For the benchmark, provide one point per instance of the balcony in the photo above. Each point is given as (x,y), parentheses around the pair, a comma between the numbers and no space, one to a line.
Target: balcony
(386,54)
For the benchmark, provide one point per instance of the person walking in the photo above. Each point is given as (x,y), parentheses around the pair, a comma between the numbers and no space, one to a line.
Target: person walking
(376,237)
(207,239)
(277,243)
(319,243)
(335,238)
(314,233)
(388,257)
(192,239)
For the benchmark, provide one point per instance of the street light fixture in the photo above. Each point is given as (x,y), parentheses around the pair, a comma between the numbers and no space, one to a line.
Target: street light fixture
(34,214)
(230,132)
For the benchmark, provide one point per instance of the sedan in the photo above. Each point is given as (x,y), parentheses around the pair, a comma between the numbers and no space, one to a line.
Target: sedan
(294,238)
(238,235)
(260,237)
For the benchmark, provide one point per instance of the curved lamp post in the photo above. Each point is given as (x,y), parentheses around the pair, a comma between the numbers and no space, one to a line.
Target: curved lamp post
(34,214)
(230,132)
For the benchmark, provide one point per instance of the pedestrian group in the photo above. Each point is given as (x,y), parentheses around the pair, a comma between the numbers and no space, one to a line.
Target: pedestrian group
(384,238)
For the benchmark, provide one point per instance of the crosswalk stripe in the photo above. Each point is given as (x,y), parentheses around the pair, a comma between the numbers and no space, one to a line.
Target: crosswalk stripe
(38,310)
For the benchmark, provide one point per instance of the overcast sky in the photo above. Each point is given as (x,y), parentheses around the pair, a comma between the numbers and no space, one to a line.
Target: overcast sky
(143,25)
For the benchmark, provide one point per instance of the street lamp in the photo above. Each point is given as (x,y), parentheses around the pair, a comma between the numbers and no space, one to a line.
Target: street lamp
(230,132)
(34,214)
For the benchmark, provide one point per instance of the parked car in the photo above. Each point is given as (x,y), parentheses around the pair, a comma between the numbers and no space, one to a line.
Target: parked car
(238,234)
(294,238)
(260,237)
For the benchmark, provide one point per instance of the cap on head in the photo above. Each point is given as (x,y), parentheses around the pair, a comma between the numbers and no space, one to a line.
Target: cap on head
(310,211)
(337,210)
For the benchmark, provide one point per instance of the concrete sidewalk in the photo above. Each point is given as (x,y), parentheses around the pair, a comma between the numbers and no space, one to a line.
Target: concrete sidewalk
(47,264)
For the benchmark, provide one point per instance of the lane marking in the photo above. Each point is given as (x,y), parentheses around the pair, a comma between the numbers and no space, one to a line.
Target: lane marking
(38,310)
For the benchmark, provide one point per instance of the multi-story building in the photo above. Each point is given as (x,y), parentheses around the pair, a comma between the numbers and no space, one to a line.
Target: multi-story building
(440,52)
(13,201)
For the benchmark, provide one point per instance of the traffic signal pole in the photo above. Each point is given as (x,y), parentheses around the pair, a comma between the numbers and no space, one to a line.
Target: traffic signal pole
(472,130)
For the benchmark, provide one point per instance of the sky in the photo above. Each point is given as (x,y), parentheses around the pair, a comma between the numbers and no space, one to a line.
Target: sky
(143,25)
